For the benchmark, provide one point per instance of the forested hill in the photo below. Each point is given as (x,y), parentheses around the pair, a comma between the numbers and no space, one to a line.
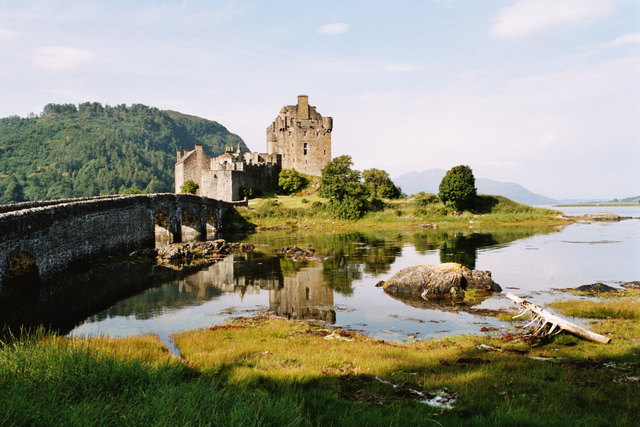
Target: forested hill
(90,149)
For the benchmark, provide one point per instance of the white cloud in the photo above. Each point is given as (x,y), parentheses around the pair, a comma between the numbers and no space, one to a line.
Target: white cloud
(631,38)
(401,67)
(528,17)
(333,28)
(55,58)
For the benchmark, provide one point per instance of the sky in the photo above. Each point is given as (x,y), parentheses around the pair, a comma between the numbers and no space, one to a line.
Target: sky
(545,93)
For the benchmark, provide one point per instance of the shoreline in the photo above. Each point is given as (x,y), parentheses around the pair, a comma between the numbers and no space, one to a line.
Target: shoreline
(297,373)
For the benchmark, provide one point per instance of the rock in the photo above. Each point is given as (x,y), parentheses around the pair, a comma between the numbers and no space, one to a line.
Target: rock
(298,254)
(185,253)
(438,281)
(606,216)
(596,288)
(480,279)
(631,285)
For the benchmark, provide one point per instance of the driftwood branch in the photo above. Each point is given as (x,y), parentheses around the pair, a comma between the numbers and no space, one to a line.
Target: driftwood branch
(544,323)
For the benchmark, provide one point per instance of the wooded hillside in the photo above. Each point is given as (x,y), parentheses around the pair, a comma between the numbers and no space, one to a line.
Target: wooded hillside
(91,149)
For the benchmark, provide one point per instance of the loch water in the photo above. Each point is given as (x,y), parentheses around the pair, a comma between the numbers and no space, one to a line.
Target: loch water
(121,299)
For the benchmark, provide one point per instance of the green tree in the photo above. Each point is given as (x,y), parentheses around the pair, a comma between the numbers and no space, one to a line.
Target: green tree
(338,180)
(458,188)
(379,184)
(290,181)
(343,187)
(12,193)
(189,187)
(131,190)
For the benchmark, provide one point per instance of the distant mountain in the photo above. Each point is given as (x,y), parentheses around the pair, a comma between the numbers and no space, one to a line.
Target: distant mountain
(91,149)
(429,181)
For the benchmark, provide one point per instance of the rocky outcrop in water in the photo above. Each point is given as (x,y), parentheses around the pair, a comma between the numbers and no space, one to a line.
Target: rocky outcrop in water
(200,252)
(606,216)
(439,281)
(631,285)
(299,254)
(596,288)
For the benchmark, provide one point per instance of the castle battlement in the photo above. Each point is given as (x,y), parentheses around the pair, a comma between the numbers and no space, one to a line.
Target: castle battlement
(299,138)
(302,136)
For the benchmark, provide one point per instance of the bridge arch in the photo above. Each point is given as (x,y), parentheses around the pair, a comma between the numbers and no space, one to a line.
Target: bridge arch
(21,273)
(162,227)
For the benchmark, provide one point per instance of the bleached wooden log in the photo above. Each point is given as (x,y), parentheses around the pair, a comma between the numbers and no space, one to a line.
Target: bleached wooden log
(556,322)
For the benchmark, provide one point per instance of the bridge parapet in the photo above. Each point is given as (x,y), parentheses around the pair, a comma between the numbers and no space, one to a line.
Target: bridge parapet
(54,234)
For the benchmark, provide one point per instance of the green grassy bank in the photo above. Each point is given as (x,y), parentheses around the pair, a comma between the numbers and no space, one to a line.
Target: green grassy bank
(268,371)
(290,212)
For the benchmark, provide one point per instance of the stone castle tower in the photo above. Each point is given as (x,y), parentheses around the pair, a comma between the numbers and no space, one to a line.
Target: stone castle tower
(302,136)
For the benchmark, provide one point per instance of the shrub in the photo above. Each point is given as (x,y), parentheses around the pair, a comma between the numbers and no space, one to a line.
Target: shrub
(290,181)
(350,208)
(189,187)
(379,184)
(423,199)
(131,190)
(458,188)
(343,187)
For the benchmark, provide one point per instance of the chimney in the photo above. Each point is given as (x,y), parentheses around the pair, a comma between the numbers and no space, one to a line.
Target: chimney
(303,107)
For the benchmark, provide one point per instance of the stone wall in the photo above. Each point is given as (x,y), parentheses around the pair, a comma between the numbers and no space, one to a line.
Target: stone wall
(226,176)
(302,136)
(57,235)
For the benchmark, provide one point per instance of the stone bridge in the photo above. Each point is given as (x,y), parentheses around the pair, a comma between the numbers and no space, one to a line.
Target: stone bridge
(40,239)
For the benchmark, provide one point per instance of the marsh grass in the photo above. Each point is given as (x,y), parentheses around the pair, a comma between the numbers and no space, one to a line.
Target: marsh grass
(620,308)
(269,371)
(310,212)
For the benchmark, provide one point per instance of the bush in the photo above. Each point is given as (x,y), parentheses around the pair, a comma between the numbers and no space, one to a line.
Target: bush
(290,181)
(350,208)
(380,185)
(376,204)
(458,188)
(189,187)
(132,190)
(343,187)
(423,199)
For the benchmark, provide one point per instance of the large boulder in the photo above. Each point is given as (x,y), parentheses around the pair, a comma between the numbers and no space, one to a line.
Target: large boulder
(439,281)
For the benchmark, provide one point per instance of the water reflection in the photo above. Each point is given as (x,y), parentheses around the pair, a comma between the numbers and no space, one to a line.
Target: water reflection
(148,299)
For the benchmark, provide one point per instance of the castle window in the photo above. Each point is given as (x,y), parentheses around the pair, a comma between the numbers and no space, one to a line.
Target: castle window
(305,148)
(325,152)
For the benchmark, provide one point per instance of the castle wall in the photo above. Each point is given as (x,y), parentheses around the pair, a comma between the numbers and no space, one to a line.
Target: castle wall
(302,136)
(190,167)
(229,174)
(299,138)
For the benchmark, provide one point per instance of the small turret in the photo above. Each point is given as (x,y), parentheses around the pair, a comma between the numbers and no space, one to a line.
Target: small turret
(303,107)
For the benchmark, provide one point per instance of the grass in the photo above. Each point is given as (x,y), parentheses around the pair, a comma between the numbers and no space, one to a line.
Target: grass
(627,308)
(268,371)
(290,212)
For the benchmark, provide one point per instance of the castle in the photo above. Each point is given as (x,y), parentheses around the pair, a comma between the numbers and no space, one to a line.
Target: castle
(299,138)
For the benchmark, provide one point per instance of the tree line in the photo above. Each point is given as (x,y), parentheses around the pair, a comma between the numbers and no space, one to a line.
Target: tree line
(92,149)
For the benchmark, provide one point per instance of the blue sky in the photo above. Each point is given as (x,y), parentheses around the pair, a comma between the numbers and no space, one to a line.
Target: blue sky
(545,93)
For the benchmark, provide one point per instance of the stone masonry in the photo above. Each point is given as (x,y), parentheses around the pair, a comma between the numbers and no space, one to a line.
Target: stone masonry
(299,138)
(228,176)
(302,136)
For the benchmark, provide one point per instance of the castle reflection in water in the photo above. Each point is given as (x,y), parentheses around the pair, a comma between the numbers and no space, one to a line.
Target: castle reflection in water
(294,293)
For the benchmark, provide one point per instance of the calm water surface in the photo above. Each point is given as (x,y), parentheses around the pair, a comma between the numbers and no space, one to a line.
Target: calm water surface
(340,289)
